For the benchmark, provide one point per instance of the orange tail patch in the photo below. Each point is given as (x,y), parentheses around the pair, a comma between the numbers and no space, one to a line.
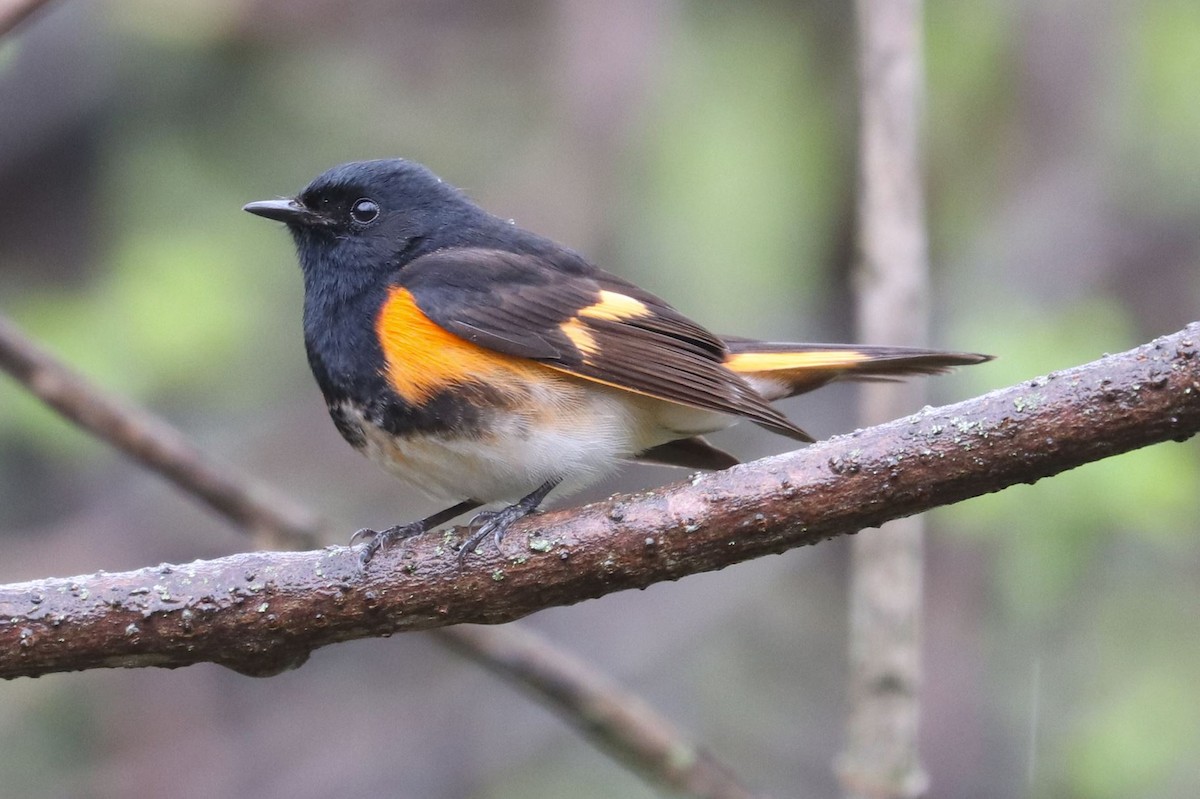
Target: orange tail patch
(784,370)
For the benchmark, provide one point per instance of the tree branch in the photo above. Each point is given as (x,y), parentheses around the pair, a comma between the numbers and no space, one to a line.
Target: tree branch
(260,613)
(12,12)
(616,721)
(148,440)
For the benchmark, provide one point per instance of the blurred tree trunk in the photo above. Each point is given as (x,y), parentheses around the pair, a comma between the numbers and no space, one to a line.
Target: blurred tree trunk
(881,757)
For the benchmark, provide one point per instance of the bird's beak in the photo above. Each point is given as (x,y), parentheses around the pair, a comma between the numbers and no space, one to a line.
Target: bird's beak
(287,211)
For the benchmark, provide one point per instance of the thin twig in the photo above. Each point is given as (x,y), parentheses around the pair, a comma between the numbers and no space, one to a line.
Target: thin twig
(12,12)
(155,444)
(632,731)
(617,721)
(881,759)
(261,613)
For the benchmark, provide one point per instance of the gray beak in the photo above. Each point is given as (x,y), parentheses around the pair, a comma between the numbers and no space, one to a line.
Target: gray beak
(287,211)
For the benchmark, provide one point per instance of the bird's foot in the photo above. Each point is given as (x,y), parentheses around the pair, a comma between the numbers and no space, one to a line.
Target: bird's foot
(378,539)
(497,522)
(494,523)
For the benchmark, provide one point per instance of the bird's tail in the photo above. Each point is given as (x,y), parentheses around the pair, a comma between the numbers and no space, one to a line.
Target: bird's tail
(778,370)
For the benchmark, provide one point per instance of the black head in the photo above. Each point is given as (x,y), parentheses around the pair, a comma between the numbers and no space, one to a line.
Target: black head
(372,216)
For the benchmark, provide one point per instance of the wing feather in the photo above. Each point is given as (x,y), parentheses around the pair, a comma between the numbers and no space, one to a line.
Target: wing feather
(586,323)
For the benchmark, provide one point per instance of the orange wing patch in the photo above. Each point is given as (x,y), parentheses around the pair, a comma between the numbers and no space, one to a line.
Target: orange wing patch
(423,359)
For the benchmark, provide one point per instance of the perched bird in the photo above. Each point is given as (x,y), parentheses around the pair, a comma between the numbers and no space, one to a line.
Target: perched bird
(484,364)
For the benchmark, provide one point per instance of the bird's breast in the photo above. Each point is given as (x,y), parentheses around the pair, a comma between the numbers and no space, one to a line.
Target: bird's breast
(560,428)
(459,421)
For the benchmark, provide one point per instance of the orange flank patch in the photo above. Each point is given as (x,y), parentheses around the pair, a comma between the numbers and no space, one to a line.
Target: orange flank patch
(423,359)
(754,362)
(614,307)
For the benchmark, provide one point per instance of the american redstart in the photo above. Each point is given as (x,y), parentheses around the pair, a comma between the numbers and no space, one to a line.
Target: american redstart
(484,364)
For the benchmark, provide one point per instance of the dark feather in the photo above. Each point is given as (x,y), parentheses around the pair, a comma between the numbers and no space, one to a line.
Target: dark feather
(517,304)
(863,363)
(688,453)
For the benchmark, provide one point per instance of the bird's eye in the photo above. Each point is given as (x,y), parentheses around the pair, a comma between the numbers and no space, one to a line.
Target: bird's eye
(364,211)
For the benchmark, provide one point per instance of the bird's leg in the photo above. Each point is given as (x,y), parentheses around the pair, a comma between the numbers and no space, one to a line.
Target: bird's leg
(376,540)
(497,522)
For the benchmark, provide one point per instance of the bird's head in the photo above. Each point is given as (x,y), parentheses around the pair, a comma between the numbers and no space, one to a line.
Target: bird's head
(370,217)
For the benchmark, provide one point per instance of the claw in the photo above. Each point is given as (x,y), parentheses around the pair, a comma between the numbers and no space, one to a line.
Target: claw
(469,545)
(494,523)
(489,521)
(497,522)
(376,541)
(364,534)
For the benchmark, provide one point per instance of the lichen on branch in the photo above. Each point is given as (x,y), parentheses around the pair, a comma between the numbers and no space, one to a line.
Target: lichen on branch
(263,612)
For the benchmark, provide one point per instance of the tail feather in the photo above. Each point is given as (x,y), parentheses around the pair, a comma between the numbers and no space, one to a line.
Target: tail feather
(779,370)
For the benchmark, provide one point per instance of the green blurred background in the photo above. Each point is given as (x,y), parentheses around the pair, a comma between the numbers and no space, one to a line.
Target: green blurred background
(705,150)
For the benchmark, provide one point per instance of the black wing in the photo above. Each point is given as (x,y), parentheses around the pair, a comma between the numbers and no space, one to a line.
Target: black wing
(584,322)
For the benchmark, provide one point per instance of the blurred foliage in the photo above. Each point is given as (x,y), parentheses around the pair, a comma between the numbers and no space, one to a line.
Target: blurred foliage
(746,178)
(1159,117)
(50,743)
(1149,493)
(1064,205)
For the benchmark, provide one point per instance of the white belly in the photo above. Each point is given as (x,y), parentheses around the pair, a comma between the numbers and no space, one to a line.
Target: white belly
(582,434)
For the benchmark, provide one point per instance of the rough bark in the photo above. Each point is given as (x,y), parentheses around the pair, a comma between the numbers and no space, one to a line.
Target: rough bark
(616,721)
(260,613)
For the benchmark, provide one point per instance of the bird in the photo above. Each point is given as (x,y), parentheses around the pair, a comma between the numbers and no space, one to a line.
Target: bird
(487,365)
